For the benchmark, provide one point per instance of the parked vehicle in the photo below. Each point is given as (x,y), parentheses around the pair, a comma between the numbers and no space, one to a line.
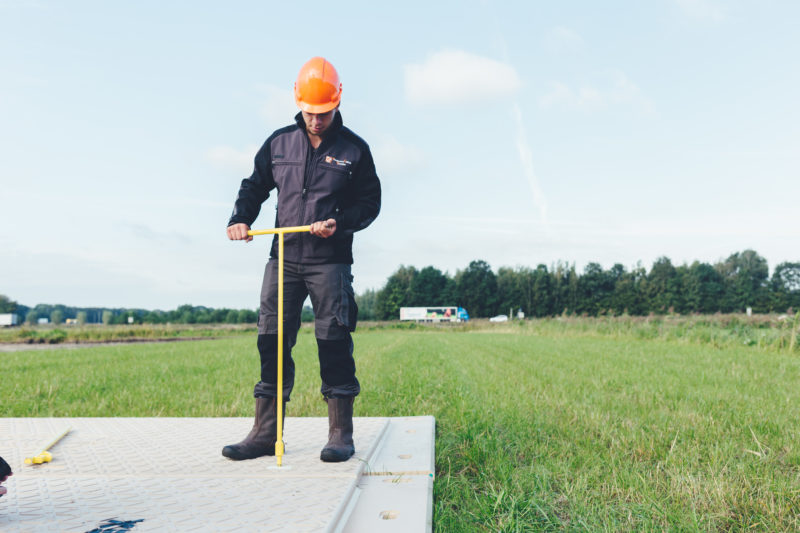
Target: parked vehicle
(446,313)
(9,319)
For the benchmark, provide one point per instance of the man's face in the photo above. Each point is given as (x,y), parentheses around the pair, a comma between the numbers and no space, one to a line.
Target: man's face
(317,123)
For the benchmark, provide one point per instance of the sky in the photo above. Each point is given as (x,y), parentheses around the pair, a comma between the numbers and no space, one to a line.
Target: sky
(518,133)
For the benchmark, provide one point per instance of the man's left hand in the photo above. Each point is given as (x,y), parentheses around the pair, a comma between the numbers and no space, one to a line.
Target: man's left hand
(324,229)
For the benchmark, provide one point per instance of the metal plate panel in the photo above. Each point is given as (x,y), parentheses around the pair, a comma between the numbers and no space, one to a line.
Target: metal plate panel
(169,473)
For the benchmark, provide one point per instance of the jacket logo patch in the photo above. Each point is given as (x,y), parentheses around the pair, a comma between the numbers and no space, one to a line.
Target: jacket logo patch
(338,162)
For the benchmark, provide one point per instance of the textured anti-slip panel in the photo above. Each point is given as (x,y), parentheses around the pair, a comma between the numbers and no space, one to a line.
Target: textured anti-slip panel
(171,504)
(169,473)
(175,446)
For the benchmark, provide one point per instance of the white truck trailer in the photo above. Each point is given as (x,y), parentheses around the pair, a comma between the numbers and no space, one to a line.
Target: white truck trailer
(445,313)
(9,319)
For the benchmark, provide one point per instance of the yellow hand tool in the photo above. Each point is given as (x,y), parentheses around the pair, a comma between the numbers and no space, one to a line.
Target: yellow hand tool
(280,232)
(45,456)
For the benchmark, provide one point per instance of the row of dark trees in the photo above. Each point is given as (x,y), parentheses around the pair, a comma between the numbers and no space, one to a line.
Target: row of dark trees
(185,314)
(740,281)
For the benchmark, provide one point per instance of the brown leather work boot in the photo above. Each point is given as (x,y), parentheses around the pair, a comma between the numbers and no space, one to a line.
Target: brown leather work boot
(340,433)
(261,439)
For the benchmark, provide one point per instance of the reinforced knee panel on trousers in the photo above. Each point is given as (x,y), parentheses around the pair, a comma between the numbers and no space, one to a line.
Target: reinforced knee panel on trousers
(337,368)
(261,439)
(268,352)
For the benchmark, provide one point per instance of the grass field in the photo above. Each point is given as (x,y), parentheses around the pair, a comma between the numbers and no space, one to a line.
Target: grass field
(543,427)
(94,333)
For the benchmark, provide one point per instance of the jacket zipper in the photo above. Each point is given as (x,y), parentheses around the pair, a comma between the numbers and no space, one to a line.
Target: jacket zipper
(311,166)
(303,195)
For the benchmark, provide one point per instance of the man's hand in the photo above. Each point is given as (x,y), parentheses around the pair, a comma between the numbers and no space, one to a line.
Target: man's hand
(238,232)
(3,490)
(5,471)
(324,229)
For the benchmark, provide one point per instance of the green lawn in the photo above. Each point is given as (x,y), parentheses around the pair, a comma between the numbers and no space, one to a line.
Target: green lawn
(535,431)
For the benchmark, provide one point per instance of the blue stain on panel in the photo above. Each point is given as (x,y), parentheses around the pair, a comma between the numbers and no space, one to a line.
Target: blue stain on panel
(112,525)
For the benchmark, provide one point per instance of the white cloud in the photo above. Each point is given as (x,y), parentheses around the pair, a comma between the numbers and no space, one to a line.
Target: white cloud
(562,39)
(233,159)
(279,106)
(625,91)
(562,95)
(278,110)
(392,156)
(619,91)
(702,9)
(458,77)
(559,94)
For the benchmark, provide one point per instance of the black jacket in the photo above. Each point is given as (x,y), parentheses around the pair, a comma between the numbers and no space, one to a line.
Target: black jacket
(337,180)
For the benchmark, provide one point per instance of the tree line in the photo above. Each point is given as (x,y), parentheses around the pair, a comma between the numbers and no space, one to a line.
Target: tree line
(185,314)
(731,285)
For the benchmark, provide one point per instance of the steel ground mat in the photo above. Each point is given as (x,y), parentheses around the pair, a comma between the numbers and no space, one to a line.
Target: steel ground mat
(167,474)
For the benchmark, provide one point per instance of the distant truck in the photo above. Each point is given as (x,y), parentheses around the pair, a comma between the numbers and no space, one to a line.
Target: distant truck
(9,319)
(446,313)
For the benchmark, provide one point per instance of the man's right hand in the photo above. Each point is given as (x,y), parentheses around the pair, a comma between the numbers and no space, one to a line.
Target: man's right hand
(238,232)
(5,471)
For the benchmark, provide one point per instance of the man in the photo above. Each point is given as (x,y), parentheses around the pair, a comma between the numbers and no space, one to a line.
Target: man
(5,472)
(325,177)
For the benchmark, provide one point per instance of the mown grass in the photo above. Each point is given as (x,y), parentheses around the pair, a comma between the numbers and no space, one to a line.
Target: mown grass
(766,331)
(94,333)
(537,430)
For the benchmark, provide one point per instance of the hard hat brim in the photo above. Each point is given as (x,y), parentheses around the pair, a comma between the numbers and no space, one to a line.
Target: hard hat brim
(316,108)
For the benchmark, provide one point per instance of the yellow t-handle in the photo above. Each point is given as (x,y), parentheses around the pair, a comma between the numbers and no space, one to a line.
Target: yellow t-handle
(279,448)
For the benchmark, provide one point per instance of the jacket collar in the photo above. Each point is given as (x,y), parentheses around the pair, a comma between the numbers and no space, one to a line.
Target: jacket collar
(334,127)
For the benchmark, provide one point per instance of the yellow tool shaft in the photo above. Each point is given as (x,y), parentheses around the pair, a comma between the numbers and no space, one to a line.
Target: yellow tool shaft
(279,441)
(279,447)
(55,440)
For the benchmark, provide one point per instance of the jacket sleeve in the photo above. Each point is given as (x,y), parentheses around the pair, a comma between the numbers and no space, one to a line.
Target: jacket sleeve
(364,199)
(255,189)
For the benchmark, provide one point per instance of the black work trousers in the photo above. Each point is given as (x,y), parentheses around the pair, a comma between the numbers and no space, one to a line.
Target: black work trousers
(331,290)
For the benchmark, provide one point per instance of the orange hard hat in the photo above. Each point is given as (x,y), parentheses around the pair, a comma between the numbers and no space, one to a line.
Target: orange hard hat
(317,89)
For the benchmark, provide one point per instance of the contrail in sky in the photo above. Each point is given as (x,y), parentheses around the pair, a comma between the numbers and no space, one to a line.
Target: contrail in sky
(523,147)
(526,158)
